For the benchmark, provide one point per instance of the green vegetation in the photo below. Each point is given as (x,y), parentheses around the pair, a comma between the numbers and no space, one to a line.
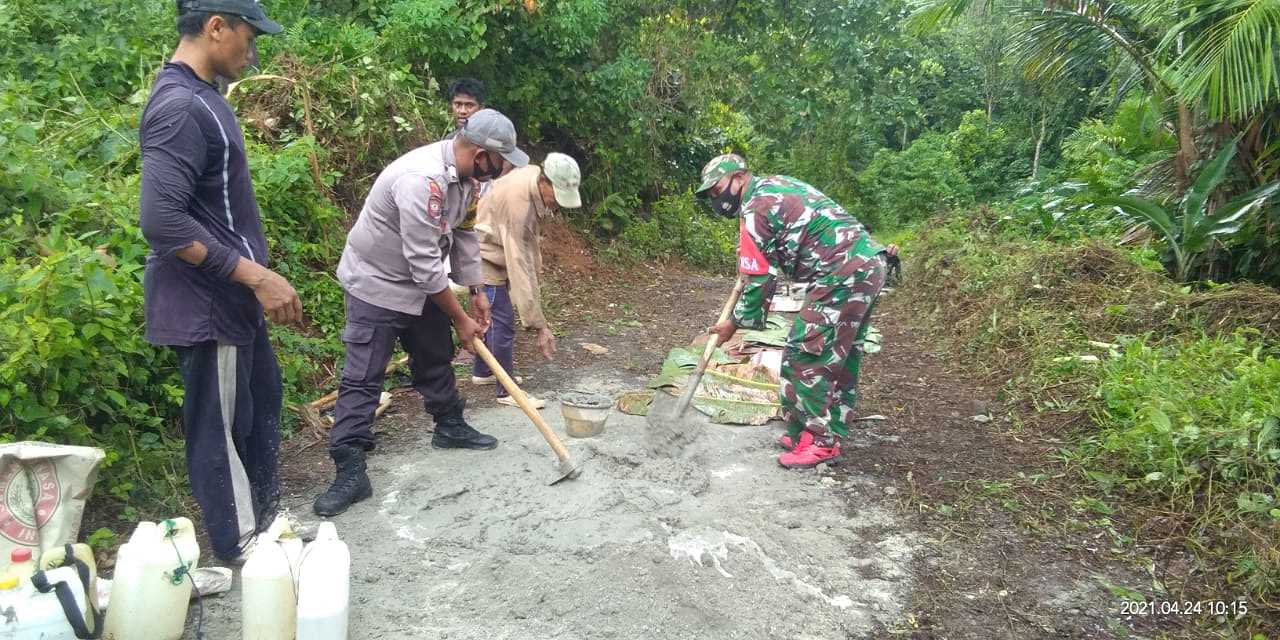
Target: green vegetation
(1054,131)
(1170,391)
(641,93)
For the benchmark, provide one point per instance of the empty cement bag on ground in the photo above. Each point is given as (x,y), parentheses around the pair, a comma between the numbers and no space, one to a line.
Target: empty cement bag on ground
(43,490)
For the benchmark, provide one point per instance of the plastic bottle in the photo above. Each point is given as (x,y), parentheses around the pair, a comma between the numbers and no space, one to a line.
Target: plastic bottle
(324,587)
(268,601)
(21,566)
(151,590)
(30,614)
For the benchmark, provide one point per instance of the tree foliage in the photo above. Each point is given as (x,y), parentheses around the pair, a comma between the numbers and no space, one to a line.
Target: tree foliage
(895,123)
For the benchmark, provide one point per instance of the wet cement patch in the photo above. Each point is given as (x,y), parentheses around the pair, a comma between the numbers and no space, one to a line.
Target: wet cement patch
(716,541)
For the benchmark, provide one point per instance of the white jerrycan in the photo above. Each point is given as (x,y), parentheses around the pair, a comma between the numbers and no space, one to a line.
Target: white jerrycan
(268,590)
(324,587)
(151,589)
(28,614)
(75,555)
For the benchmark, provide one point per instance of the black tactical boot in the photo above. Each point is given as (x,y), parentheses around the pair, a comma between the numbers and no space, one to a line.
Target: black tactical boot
(349,487)
(452,432)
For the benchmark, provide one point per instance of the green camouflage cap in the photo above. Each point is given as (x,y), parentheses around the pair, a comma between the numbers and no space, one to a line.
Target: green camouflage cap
(719,167)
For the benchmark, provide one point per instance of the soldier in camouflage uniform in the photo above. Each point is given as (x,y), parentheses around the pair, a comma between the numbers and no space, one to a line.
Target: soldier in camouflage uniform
(790,228)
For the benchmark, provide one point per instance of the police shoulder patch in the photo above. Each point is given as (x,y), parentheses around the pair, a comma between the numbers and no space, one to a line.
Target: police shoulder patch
(435,206)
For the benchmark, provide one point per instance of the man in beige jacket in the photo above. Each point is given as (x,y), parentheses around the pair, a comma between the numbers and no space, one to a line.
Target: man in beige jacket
(509,222)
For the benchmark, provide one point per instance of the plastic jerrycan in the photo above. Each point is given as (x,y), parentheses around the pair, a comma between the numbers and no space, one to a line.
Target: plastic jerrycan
(151,589)
(28,614)
(67,555)
(268,591)
(324,587)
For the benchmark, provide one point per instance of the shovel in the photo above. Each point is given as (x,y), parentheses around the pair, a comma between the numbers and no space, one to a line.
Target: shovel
(672,422)
(567,469)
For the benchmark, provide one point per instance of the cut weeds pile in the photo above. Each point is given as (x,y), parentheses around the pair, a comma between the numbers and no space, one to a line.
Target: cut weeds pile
(1164,399)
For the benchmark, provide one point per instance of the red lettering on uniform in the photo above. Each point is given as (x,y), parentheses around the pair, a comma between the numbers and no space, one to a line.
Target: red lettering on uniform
(751,260)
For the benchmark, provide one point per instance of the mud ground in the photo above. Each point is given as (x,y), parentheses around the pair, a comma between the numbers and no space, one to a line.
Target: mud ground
(912,535)
(717,543)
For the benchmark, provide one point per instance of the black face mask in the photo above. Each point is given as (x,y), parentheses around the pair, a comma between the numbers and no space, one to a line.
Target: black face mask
(726,204)
(492,174)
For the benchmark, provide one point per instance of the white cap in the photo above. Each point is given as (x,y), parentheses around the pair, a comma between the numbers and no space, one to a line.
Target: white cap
(563,173)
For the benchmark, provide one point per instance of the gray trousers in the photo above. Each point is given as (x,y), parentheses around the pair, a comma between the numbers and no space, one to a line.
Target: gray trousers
(370,337)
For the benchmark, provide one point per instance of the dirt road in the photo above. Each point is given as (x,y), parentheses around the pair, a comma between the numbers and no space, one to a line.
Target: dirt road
(719,542)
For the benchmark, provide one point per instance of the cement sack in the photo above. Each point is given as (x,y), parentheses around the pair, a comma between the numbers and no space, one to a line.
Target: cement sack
(43,491)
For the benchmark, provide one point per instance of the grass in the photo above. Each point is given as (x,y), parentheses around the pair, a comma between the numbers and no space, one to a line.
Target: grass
(1164,398)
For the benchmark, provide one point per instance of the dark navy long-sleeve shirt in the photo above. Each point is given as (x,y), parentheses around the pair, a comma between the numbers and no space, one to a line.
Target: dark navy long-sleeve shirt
(196,187)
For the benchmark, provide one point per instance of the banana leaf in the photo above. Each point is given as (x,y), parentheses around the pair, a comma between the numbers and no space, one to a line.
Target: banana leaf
(681,361)
(717,410)
(723,397)
(726,411)
(774,333)
(636,403)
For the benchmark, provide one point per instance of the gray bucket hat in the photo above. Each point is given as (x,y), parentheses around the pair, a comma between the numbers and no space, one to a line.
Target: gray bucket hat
(494,132)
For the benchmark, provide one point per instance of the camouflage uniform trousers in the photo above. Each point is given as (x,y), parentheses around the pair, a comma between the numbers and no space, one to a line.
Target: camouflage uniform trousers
(824,352)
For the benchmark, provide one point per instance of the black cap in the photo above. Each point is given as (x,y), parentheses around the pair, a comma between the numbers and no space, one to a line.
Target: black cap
(250,10)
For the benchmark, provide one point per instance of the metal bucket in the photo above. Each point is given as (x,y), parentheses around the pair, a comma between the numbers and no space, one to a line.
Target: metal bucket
(584,413)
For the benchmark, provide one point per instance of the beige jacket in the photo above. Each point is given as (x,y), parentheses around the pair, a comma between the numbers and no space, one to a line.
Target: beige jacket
(508,226)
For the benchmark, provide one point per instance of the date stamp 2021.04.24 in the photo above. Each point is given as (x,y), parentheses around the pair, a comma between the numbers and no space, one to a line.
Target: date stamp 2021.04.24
(1224,608)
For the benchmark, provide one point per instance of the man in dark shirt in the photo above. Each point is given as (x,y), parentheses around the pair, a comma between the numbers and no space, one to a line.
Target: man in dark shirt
(207,284)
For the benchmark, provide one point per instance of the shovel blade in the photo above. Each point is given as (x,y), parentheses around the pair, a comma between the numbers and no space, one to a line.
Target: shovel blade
(567,471)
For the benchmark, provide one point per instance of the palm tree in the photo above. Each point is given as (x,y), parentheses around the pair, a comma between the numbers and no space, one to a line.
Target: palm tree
(1220,56)
(1231,62)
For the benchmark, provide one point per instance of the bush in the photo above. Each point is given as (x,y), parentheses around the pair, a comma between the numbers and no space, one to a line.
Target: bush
(76,369)
(1195,421)
(678,228)
(1196,425)
(992,161)
(1107,156)
(904,187)
(1185,420)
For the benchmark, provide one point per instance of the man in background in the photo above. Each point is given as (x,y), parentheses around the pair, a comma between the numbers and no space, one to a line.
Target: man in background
(466,96)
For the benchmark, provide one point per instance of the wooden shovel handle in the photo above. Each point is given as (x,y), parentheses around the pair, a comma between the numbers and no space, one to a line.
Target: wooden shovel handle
(521,399)
(724,315)
(712,342)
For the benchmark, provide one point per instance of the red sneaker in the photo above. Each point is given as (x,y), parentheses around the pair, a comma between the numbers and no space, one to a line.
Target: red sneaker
(809,455)
(785,440)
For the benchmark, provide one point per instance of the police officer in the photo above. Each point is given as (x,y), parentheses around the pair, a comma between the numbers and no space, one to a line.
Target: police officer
(790,228)
(397,288)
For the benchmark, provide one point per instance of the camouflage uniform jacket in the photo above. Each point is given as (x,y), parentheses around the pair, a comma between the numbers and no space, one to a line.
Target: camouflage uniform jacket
(791,228)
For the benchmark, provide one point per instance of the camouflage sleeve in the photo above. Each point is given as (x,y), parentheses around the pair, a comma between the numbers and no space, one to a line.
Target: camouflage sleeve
(754,232)
(753,307)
